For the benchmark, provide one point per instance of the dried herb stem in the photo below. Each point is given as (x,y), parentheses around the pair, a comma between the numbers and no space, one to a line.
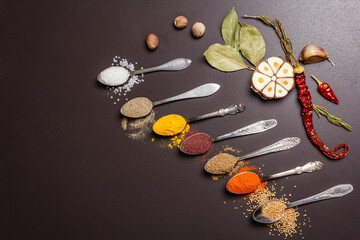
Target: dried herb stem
(285,41)
(331,118)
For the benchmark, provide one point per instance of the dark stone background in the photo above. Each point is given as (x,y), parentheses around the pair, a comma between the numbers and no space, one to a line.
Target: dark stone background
(70,172)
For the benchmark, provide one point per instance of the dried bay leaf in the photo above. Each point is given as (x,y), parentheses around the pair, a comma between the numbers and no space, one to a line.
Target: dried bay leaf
(252,44)
(224,58)
(228,28)
(237,36)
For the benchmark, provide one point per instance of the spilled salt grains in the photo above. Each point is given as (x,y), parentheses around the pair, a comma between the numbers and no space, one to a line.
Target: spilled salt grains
(115,92)
(221,163)
(137,107)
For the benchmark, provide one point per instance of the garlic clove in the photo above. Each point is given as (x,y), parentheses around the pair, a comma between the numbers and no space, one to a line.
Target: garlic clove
(265,68)
(286,70)
(269,91)
(280,92)
(313,53)
(259,81)
(287,83)
(275,63)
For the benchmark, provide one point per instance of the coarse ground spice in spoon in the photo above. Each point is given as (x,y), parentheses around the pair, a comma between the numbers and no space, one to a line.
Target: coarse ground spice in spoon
(273,209)
(221,163)
(289,225)
(197,144)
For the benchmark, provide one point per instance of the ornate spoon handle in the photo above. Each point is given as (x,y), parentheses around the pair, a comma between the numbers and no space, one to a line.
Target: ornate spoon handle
(309,167)
(281,145)
(233,109)
(201,91)
(173,65)
(257,127)
(334,192)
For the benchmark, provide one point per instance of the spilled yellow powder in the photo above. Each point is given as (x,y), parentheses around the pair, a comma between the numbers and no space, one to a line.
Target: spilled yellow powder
(173,141)
(176,140)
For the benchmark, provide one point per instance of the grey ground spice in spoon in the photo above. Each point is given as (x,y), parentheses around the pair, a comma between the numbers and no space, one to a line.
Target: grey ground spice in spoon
(137,107)
(221,163)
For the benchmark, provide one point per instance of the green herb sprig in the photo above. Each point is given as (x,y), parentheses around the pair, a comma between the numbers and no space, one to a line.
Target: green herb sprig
(330,117)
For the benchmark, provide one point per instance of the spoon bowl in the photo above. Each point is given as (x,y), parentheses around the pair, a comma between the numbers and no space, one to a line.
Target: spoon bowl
(117,75)
(258,214)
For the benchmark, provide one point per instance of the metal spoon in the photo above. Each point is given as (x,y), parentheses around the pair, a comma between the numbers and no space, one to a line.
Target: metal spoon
(334,192)
(257,127)
(204,90)
(309,167)
(232,110)
(120,72)
(281,145)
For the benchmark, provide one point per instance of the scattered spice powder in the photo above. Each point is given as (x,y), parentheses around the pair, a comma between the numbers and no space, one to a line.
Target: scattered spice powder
(177,139)
(197,144)
(289,224)
(242,183)
(138,129)
(230,149)
(221,163)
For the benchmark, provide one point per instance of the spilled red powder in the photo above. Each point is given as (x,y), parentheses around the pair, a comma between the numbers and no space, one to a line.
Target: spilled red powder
(247,168)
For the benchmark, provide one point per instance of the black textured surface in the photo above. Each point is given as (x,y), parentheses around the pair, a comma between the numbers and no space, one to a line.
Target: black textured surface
(70,172)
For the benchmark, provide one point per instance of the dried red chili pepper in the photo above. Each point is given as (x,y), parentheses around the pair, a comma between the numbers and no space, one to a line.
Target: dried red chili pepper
(326,91)
(306,112)
(304,94)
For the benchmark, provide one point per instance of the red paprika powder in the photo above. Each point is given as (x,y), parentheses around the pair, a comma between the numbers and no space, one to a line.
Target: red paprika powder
(242,183)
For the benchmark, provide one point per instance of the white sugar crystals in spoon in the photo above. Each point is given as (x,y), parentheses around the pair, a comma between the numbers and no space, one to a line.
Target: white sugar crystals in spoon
(114,76)
(116,92)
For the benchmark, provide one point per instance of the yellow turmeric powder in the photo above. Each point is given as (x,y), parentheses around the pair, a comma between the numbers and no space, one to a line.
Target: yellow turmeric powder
(169,125)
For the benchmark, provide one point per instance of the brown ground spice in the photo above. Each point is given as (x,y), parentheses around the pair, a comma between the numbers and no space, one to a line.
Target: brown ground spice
(137,107)
(138,129)
(221,163)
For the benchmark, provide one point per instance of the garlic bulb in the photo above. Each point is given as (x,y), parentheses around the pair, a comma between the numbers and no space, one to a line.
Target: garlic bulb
(273,78)
(313,54)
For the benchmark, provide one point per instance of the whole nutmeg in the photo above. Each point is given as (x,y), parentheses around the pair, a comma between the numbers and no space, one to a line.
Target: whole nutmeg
(198,29)
(152,41)
(180,22)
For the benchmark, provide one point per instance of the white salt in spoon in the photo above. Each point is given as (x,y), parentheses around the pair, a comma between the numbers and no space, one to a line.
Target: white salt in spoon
(116,75)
